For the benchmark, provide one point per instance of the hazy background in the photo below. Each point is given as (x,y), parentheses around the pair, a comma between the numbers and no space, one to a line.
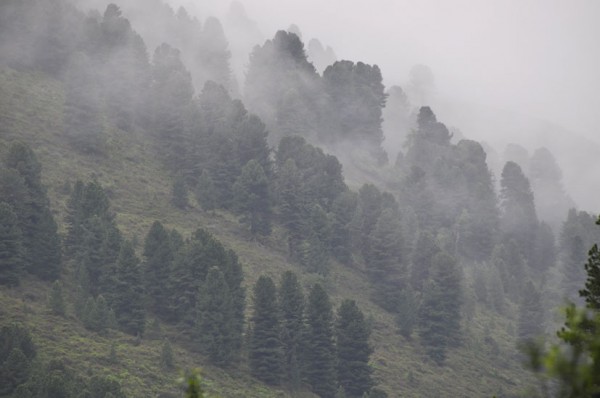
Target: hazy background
(537,57)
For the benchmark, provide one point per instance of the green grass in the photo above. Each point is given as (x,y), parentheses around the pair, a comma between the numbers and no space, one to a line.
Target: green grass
(31,108)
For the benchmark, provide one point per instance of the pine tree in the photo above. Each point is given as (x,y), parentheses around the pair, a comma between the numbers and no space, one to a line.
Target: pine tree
(265,354)
(531,315)
(439,314)
(251,192)
(214,320)
(179,193)
(591,293)
(15,371)
(158,259)
(40,233)
(206,192)
(320,352)
(353,350)
(424,251)
(293,331)
(11,246)
(129,298)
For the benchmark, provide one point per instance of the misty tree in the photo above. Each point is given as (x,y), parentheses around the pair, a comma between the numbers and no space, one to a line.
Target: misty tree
(342,213)
(158,259)
(531,314)
(56,299)
(293,331)
(591,292)
(425,249)
(519,219)
(252,198)
(39,230)
(206,192)
(213,55)
(440,310)
(353,350)
(320,352)
(431,140)
(129,296)
(265,349)
(179,193)
(357,98)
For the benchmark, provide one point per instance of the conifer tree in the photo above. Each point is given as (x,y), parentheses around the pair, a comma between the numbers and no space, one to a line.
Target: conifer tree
(439,314)
(166,356)
(11,246)
(206,192)
(179,193)
(265,354)
(129,298)
(426,248)
(320,353)
(40,232)
(293,331)
(215,329)
(353,350)
(158,259)
(531,315)
(251,192)
(591,293)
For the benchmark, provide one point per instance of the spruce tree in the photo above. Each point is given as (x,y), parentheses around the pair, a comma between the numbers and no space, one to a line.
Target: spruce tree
(40,232)
(158,260)
(179,193)
(353,350)
(531,315)
(214,322)
(293,330)
(166,356)
(129,298)
(320,353)
(439,314)
(265,353)
(11,246)
(251,192)
(206,192)
(591,293)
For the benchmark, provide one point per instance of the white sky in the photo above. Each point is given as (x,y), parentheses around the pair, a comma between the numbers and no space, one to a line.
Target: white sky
(539,57)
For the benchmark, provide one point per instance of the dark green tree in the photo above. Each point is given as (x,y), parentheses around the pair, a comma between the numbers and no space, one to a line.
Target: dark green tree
(531,314)
(157,265)
(342,210)
(252,198)
(11,246)
(206,192)
(439,314)
(40,232)
(353,350)
(425,249)
(16,353)
(320,353)
(215,327)
(293,331)
(129,298)
(591,292)
(179,193)
(265,351)
(166,356)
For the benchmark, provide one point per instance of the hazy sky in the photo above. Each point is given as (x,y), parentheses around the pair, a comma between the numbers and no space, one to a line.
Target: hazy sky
(539,57)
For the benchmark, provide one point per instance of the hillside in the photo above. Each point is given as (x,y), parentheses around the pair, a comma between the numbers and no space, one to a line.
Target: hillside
(161,205)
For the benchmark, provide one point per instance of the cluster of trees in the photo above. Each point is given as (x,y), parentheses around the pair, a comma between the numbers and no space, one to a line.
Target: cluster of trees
(297,340)
(29,240)
(24,374)
(344,105)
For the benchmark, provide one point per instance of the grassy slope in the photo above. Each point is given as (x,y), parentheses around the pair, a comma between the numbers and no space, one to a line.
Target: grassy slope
(31,110)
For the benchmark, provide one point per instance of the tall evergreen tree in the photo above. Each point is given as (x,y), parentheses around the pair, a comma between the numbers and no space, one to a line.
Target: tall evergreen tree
(252,199)
(265,353)
(215,326)
(128,301)
(56,299)
(293,333)
(425,249)
(320,353)
(158,259)
(591,293)
(531,315)
(439,314)
(11,246)
(40,232)
(353,350)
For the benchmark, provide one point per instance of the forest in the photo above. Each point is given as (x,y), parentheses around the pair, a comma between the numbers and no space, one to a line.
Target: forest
(159,214)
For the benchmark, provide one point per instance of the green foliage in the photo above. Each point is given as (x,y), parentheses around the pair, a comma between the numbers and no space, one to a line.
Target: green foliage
(179,193)
(251,191)
(407,311)
(193,384)
(591,293)
(320,352)
(531,315)
(291,308)
(16,352)
(129,298)
(439,314)
(56,299)
(353,350)
(166,356)
(157,266)
(264,348)
(206,192)
(215,319)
